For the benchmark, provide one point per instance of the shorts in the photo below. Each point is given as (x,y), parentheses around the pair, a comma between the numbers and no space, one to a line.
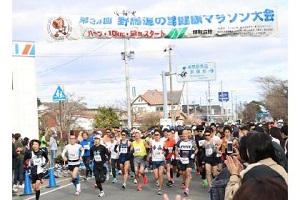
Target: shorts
(183,167)
(123,159)
(157,164)
(213,161)
(72,167)
(35,177)
(139,161)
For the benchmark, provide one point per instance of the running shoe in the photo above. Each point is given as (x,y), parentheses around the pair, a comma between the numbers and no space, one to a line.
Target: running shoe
(114,180)
(101,194)
(172,180)
(159,192)
(135,181)
(186,191)
(124,186)
(139,188)
(182,186)
(169,183)
(204,183)
(145,180)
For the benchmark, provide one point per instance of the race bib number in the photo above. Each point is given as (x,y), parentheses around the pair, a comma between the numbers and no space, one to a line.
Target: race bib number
(37,161)
(73,156)
(137,150)
(201,143)
(123,150)
(184,160)
(208,152)
(97,158)
(87,147)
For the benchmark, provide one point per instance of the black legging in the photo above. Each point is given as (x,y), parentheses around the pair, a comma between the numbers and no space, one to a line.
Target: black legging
(100,175)
(86,161)
(114,163)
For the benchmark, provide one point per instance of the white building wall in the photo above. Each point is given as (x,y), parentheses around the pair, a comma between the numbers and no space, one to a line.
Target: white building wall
(24,104)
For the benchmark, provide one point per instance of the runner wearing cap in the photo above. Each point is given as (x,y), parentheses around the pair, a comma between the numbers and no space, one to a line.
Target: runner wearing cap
(99,154)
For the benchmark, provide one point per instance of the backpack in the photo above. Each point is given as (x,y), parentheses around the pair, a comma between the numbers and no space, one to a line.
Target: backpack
(280,154)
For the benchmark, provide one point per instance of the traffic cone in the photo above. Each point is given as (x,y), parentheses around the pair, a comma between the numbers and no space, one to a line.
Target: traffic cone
(27,187)
(52,182)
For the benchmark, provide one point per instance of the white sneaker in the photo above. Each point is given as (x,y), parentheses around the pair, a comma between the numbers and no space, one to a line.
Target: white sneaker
(107,177)
(15,187)
(135,181)
(21,186)
(101,194)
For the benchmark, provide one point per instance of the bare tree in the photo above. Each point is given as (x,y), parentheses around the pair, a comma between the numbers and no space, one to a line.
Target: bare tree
(67,113)
(275,96)
(250,110)
(149,119)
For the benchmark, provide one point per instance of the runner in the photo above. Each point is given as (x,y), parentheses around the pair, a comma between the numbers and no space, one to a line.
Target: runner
(74,159)
(138,147)
(86,144)
(158,159)
(186,149)
(169,146)
(124,157)
(36,159)
(114,157)
(99,155)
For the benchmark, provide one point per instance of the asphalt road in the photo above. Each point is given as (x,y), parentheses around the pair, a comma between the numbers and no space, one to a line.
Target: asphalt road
(65,190)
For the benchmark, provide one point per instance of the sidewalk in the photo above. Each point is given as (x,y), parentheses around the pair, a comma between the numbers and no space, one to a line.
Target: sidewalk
(43,187)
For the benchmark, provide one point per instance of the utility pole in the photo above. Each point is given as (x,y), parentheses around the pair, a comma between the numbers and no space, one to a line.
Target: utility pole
(209,100)
(222,110)
(165,99)
(126,56)
(187,100)
(232,105)
(169,50)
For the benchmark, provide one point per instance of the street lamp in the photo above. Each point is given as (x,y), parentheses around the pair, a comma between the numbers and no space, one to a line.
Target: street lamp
(126,56)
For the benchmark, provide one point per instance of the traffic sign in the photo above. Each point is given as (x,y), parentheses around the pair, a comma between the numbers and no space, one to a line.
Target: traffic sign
(260,115)
(223,96)
(59,95)
(196,72)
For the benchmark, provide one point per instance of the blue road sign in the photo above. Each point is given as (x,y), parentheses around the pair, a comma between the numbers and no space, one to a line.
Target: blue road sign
(259,115)
(223,96)
(59,95)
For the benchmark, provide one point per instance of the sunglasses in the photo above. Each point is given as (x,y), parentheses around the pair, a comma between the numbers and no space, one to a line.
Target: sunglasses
(207,135)
(156,134)
(123,134)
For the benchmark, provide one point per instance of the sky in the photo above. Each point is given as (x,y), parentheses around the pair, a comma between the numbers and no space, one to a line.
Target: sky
(93,68)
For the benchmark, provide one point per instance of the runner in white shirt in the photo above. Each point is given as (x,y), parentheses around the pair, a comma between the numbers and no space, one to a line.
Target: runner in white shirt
(114,156)
(158,159)
(75,152)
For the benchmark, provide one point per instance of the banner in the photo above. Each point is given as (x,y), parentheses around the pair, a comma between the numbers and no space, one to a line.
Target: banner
(255,23)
